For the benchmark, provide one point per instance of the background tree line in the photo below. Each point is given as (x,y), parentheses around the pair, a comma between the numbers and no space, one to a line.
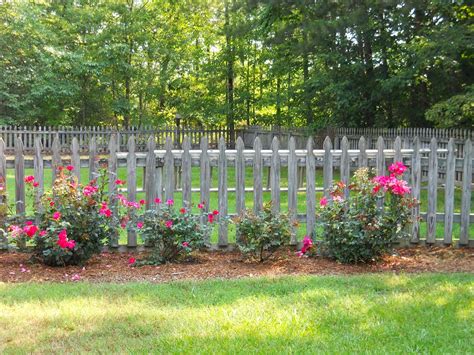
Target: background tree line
(311,63)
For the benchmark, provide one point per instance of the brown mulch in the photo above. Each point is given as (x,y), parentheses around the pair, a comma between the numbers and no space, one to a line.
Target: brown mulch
(113,267)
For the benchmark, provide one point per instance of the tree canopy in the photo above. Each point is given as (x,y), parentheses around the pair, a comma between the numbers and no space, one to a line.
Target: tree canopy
(314,63)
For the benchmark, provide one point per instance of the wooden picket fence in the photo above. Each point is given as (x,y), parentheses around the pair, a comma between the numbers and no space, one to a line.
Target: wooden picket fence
(161,174)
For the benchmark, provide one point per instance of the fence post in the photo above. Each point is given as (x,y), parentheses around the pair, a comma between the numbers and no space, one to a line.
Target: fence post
(310,189)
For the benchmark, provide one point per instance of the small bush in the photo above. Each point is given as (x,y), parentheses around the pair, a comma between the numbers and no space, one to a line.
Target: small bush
(260,234)
(173,233)
(365,226)
(74,224)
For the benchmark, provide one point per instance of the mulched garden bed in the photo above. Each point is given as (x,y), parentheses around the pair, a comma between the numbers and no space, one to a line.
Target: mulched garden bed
(113,267)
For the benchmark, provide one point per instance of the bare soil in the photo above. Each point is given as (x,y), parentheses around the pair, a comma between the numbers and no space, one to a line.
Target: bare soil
(114,267)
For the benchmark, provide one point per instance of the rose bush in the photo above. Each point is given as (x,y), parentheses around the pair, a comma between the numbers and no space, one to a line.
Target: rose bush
(173,233)
(74,223)
(365,226)
(261,234)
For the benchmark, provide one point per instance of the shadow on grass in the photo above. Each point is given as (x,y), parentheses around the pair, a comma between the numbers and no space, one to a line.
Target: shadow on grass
(379,313)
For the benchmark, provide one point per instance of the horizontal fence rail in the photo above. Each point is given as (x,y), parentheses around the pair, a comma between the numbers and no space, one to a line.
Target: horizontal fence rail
(168,172)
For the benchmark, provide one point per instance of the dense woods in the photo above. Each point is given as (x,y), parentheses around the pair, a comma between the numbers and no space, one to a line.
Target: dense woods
(233,62)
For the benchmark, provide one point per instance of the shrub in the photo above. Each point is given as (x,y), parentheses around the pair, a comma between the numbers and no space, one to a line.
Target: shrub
(173,233)
(75,222)
(365,226)
(260,234)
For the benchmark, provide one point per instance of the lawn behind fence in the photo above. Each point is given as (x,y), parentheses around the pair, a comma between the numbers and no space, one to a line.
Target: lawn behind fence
(385,313)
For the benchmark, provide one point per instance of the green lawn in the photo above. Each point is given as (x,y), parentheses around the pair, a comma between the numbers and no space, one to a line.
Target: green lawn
(385,313)
(249,196)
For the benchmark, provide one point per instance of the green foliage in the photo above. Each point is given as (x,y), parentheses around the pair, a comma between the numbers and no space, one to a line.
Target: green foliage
(285,62)
(365,226)
(173,233)
(260,234)
(457,111)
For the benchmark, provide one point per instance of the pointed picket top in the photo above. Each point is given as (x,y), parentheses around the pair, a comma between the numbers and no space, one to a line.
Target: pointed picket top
(327,144)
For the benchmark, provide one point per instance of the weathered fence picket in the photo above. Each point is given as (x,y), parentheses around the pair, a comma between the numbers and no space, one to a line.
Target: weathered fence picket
(310,189)
(222,194)
(240,177)
(257,176)
(19,177)
(449,194)
(415,190)
(432,192)
(131,187)
(186,172)
(275,176)
(327,167)
(466,193)
(38,173)
(169,170)
(292,188)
